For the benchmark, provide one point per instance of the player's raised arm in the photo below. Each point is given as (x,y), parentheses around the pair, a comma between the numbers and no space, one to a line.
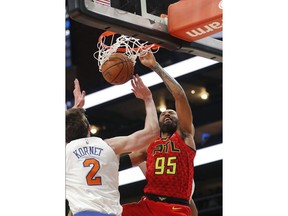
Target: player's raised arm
(141,138)
(182,106)
(79,96)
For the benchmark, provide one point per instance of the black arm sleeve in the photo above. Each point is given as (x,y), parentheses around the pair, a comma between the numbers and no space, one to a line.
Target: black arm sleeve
(125,162)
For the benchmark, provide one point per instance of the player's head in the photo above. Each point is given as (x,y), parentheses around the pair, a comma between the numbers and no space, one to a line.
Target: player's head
(168,121)
(77,125)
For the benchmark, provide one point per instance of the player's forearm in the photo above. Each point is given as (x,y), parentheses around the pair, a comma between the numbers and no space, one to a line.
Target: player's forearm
(151,120)
(142,138)
(173,86)
(193,208)
(138,157)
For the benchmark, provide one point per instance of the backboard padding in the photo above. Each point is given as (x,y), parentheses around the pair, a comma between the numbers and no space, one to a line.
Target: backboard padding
(108,18)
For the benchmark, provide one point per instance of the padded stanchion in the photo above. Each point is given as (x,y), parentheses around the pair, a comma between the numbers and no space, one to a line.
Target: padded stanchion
(191,20)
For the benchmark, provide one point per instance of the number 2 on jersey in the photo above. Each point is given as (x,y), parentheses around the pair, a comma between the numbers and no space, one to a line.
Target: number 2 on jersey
(90,178)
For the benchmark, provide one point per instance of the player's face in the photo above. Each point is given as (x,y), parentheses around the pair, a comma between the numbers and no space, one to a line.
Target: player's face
(168,121)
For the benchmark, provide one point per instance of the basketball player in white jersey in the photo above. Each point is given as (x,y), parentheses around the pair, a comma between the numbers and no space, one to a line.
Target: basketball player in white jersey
(92,163)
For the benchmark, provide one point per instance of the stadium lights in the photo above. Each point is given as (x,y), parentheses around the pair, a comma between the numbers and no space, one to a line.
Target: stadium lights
(178,69)
(203,156)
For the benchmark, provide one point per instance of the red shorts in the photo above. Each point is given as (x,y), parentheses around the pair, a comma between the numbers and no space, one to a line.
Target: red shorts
(152,208)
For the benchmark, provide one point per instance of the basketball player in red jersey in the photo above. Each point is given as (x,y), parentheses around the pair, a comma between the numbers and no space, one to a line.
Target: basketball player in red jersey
(169,159)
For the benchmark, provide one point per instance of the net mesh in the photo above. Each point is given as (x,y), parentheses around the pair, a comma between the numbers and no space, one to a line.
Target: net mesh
(132,47)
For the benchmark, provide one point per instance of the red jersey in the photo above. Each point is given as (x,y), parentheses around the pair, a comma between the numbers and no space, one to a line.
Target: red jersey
(170,168)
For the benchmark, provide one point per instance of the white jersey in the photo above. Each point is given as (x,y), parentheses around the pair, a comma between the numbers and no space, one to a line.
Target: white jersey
(92,176)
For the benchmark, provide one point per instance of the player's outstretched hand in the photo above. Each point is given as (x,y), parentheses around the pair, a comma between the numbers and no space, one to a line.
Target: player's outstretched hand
(140,90)
(148,59)
(79,97)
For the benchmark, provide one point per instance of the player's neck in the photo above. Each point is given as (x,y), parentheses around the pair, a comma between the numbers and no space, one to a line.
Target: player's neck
(165,136)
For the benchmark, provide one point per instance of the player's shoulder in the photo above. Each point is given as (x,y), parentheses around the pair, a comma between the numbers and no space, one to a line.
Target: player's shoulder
(186,139)
(86,140)
(95,139)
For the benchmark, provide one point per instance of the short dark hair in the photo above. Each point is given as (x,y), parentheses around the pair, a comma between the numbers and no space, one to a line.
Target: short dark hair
(77,124)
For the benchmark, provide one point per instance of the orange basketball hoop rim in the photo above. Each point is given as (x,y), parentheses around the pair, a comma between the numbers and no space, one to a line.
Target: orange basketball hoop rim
(130,46)
(124,49)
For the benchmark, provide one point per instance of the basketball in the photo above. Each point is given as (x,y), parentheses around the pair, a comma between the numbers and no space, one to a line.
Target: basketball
(118,69)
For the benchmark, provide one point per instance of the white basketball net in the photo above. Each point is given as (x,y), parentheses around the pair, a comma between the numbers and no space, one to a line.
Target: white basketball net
(133,47)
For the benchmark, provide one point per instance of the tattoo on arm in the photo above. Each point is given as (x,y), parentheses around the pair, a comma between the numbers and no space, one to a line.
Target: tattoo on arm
(168,80)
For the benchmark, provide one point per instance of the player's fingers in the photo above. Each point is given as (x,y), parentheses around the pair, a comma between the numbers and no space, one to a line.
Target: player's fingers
(133,82)
(139,81)
(76,84)
(135,93)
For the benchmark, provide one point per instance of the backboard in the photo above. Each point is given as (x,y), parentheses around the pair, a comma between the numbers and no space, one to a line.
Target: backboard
(140,22)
